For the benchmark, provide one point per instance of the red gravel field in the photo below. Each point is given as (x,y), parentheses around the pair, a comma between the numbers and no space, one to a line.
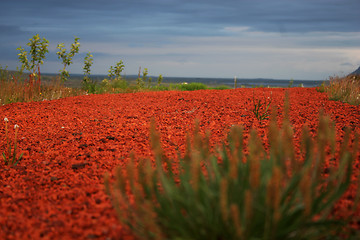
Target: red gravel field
(57,190)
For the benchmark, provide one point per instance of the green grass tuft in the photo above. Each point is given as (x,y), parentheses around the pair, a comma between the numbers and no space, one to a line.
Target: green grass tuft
(232,195)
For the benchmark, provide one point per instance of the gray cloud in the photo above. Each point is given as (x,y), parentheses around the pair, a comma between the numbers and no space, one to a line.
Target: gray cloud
(10,30)
(146,27)
(347,64)
(189,17)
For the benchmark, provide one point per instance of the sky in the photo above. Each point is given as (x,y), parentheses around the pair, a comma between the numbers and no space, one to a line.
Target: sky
(280,39)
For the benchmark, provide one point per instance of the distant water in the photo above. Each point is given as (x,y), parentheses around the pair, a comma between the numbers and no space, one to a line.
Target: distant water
(246,82)
(241,82)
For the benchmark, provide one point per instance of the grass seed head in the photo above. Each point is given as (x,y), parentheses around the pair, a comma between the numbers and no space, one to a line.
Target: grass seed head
(224,199)
(273,195)
(235,216)
(248,204)
(305,189)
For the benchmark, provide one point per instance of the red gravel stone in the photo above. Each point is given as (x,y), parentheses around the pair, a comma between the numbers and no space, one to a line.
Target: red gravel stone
(57,192)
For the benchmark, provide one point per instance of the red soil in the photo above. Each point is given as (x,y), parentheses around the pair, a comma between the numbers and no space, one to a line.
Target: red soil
(57,192)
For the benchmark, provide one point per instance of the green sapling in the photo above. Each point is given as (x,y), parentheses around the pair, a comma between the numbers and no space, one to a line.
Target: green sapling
(88,61)
(114,72)
(38,49)
(159,80)
(67,57)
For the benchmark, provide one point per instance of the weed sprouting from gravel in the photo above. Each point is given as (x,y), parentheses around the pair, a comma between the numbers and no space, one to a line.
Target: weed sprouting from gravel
(10,154)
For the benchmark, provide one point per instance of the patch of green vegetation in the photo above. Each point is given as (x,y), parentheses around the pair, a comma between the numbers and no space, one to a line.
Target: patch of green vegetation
(191,86)
(345,89)
(221,87)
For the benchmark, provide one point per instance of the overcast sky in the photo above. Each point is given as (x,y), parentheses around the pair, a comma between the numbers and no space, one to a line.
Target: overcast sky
(283,39)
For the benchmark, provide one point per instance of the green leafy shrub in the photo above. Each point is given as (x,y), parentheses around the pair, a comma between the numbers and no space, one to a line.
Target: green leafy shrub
(232,194)
(89,86)
(115,83)
(191,86)
(321,87)
(120,84)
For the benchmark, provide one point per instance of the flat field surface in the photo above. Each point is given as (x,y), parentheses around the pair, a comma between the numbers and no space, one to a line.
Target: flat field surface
(57,191)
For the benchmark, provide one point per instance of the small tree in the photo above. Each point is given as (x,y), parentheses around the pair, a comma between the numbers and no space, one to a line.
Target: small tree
(146,78)
(88,84)
(159,80)
(38,49)
(141,80)
(67,57)
(88,61)
(114,72)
